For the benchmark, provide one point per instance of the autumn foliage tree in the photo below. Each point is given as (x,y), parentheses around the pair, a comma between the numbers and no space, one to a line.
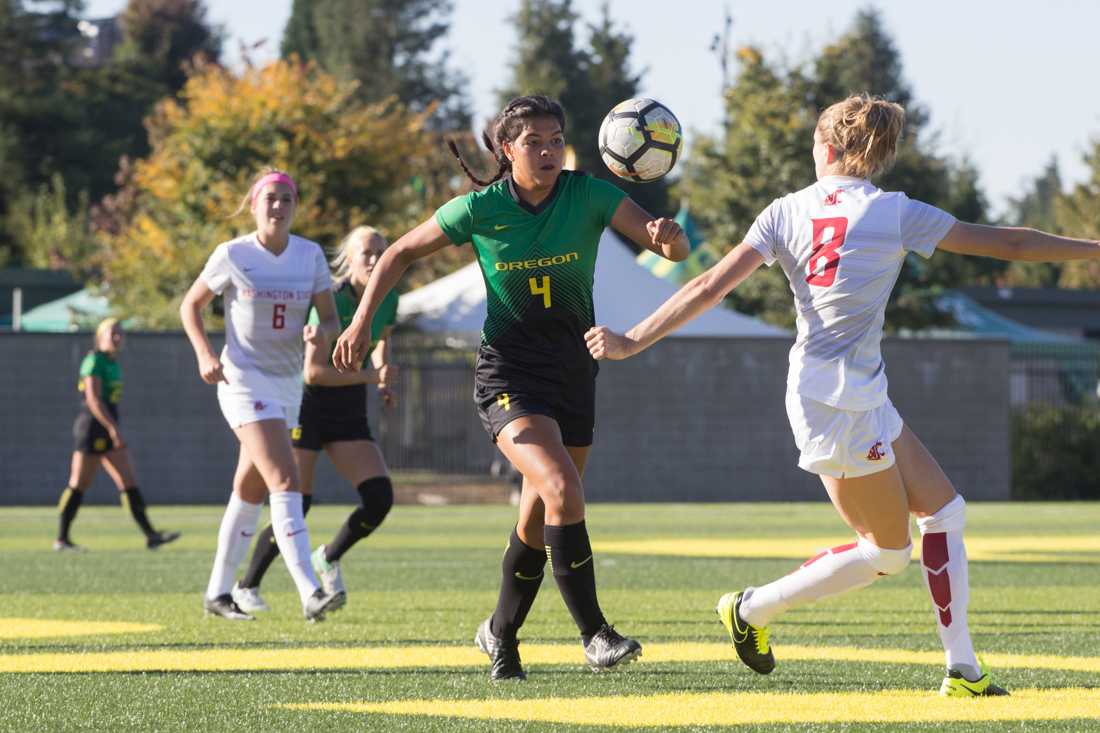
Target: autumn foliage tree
(354,163)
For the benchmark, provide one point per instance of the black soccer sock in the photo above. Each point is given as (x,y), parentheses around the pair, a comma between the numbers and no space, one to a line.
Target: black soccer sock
(132,499)
(521,577)
(266,551)
(376,495)
(68,505)
(570,555)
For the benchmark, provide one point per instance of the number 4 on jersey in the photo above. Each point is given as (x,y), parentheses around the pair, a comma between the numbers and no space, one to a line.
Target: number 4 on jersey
(824,258)
(541,288)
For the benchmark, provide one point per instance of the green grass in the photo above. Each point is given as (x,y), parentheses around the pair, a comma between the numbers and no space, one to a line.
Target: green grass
(430,575)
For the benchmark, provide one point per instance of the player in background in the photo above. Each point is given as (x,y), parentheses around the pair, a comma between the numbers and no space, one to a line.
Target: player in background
(842,242)
(96,440)
(334,418)
(535,230)
(268,280)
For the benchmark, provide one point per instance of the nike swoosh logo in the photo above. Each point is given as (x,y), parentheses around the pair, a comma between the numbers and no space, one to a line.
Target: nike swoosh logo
(498,227)
(576,565)
(521,576)
(247,269)
(247,534)
(291,534)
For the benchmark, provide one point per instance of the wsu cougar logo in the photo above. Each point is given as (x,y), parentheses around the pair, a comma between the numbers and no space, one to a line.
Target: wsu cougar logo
(833,199)
(875,454)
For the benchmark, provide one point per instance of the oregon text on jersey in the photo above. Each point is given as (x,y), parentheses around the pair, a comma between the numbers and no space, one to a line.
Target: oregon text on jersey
(537,263)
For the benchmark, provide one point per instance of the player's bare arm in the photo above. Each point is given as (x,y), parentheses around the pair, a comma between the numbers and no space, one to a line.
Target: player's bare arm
(422,241)
(699,295)
(92,390)
(1016,243)
(197,298)
(663,237)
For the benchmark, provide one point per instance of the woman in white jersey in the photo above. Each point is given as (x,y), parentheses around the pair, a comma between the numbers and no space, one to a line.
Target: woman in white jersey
(268,279)
(842,243)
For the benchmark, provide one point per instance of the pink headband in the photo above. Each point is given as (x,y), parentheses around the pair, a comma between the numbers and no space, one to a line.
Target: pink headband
(274,178)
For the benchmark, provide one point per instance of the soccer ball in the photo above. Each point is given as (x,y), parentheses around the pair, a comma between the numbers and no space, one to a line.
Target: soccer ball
(640,140)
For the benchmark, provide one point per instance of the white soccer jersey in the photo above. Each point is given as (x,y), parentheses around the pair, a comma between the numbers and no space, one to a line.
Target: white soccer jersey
(842,243)
(266,297)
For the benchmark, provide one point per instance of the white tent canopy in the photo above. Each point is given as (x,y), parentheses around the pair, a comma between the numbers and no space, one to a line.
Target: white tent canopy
(625,292)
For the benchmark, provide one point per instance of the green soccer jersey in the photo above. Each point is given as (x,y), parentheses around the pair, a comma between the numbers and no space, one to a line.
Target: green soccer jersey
(346,304)
(538,265)
(100,364)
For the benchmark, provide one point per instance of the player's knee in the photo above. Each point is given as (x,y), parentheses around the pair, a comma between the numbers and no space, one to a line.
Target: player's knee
(376,499)
(559,493)
(883,560)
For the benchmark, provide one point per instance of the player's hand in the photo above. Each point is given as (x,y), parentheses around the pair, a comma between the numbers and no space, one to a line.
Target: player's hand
(663,231)
(387,375)
(603,343)
(210,369)
(351,347)
(311,334)
(116,438)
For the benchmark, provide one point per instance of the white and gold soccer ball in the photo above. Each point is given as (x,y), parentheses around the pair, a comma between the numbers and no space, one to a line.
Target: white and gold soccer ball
(640,140)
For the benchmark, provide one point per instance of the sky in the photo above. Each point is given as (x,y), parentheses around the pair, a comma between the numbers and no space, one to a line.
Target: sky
(1007,83)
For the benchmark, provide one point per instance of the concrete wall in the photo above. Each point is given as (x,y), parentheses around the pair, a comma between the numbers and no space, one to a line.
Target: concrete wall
(688,420)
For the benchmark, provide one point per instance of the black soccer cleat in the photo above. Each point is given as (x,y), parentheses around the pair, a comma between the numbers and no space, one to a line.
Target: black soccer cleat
(750,642)
(503,654)
(226,607)
(608,650)
(157,539)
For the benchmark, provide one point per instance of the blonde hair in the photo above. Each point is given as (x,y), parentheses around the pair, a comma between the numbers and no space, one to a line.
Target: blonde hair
(865,131)
(246,202)
(105,326)
(340,267)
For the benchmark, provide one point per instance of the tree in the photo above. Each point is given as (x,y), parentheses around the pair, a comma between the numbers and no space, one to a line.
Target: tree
(764,152)
(587,80)
(1077,215)
(354,163)
(161,37)
(387,45)
(1037,207)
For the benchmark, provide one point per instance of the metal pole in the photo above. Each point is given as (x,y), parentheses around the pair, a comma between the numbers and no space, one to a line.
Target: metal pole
(17,309)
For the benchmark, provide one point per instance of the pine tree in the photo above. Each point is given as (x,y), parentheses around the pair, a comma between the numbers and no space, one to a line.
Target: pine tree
(388,46)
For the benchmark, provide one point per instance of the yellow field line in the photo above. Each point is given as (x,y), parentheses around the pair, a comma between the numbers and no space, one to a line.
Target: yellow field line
(32,628)
(428,657)
(678,710)
(1025,548)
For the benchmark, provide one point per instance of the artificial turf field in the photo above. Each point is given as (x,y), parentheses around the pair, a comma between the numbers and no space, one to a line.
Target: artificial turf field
(114,639)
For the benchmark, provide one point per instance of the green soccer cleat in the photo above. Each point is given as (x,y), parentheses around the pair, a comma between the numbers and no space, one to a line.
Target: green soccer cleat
(955,685)
(750,642)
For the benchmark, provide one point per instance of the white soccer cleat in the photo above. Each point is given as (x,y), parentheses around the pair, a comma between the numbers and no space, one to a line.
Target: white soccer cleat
(248,599)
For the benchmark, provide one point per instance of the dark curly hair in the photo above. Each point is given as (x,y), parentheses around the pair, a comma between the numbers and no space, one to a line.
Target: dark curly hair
(507,126)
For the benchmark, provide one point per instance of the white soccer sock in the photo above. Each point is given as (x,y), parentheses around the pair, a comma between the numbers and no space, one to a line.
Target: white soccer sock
(292,536)
(234,536)
(836,570)
(945,571)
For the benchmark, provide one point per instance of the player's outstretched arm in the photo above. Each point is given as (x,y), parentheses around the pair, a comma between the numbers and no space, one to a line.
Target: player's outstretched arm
(1016,243)
(422,241)
(663,237)
(698,295)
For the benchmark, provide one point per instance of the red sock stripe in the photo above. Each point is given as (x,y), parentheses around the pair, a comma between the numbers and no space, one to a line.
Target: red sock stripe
(934,550)
(934,557)
(832,550)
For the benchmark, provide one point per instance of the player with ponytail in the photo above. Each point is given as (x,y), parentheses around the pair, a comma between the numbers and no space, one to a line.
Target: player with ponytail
(841,243)
(535,229)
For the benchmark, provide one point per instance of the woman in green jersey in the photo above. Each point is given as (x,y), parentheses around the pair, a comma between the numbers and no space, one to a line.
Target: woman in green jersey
(96,440)
(334,418)
(535,230)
